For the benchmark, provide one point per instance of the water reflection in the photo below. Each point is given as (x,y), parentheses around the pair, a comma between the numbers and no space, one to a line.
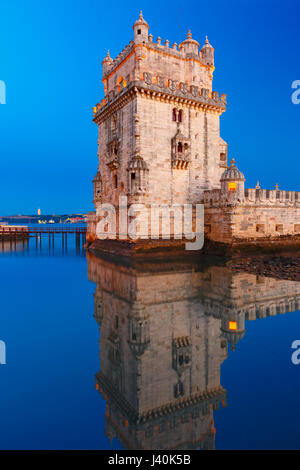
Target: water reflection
(165,331)
(45,245)
(13,245)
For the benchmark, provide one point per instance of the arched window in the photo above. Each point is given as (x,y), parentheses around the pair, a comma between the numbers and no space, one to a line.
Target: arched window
(121,83)
(174,115)
(115,181)
(179,147)
(180,115)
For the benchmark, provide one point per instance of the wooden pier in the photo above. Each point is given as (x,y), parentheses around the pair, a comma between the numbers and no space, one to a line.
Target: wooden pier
(79,232)
(14,232)
(17,232)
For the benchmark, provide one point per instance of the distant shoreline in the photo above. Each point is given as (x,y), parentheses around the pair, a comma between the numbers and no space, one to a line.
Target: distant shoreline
(46,218)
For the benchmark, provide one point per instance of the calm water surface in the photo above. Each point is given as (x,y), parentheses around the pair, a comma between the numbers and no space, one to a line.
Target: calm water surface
(103,354)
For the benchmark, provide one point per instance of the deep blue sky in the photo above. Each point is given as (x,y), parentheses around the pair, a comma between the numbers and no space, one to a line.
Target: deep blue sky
(50,59)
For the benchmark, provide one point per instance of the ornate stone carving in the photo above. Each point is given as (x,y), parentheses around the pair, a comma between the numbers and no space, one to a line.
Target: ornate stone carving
(182,353)
(138,176)
(180,151)
(113,154)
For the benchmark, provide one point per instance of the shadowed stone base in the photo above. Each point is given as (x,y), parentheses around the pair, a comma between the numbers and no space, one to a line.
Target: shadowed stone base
(279,267)
(168,248)
(175,248)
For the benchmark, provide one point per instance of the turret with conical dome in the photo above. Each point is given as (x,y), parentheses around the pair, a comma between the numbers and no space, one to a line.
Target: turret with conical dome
(140,29)
(189,45)
(207,53)
(233,180)
(107,63)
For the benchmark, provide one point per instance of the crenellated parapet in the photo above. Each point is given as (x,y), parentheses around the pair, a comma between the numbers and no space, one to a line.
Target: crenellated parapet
(163,89)
(272,197)
(187,50)
(252,310)
(252,197)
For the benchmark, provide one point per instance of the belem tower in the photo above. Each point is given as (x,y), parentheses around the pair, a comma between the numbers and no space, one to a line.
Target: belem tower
(159,143)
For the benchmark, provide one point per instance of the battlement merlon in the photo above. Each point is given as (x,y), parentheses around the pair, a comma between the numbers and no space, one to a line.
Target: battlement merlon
(163,89)
(186,64)
(252,197)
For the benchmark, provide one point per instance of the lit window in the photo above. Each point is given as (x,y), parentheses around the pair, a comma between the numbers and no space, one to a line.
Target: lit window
(232,325)
(232,186)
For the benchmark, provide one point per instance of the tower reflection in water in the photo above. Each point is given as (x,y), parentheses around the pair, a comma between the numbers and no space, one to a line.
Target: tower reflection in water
(165,329)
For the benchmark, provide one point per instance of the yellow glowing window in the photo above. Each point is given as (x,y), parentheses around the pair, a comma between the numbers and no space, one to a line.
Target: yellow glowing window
(232,325)
(124,84)
(232,186)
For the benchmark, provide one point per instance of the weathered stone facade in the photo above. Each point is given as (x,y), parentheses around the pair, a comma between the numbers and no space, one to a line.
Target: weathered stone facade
(159,139)
(165,330)
(159,143)
(234,213)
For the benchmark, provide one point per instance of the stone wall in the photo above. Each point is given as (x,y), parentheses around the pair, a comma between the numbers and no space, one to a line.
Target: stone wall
(261,213)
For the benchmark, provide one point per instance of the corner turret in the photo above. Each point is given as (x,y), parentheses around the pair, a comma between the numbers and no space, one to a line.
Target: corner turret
(107,63)
(141,29)
(233,180)
(233,328)
(207,53)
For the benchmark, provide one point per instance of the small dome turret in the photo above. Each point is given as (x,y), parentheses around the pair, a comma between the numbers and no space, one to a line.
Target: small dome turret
(232,173)
(233,337)
(233,181)
(207,53)
(138,176)
(233,329)
(141,29)
(138,163)
(97,188)
(106,64)
(189,45)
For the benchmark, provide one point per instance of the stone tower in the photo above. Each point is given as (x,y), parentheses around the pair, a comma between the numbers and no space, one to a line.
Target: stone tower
(159,138)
